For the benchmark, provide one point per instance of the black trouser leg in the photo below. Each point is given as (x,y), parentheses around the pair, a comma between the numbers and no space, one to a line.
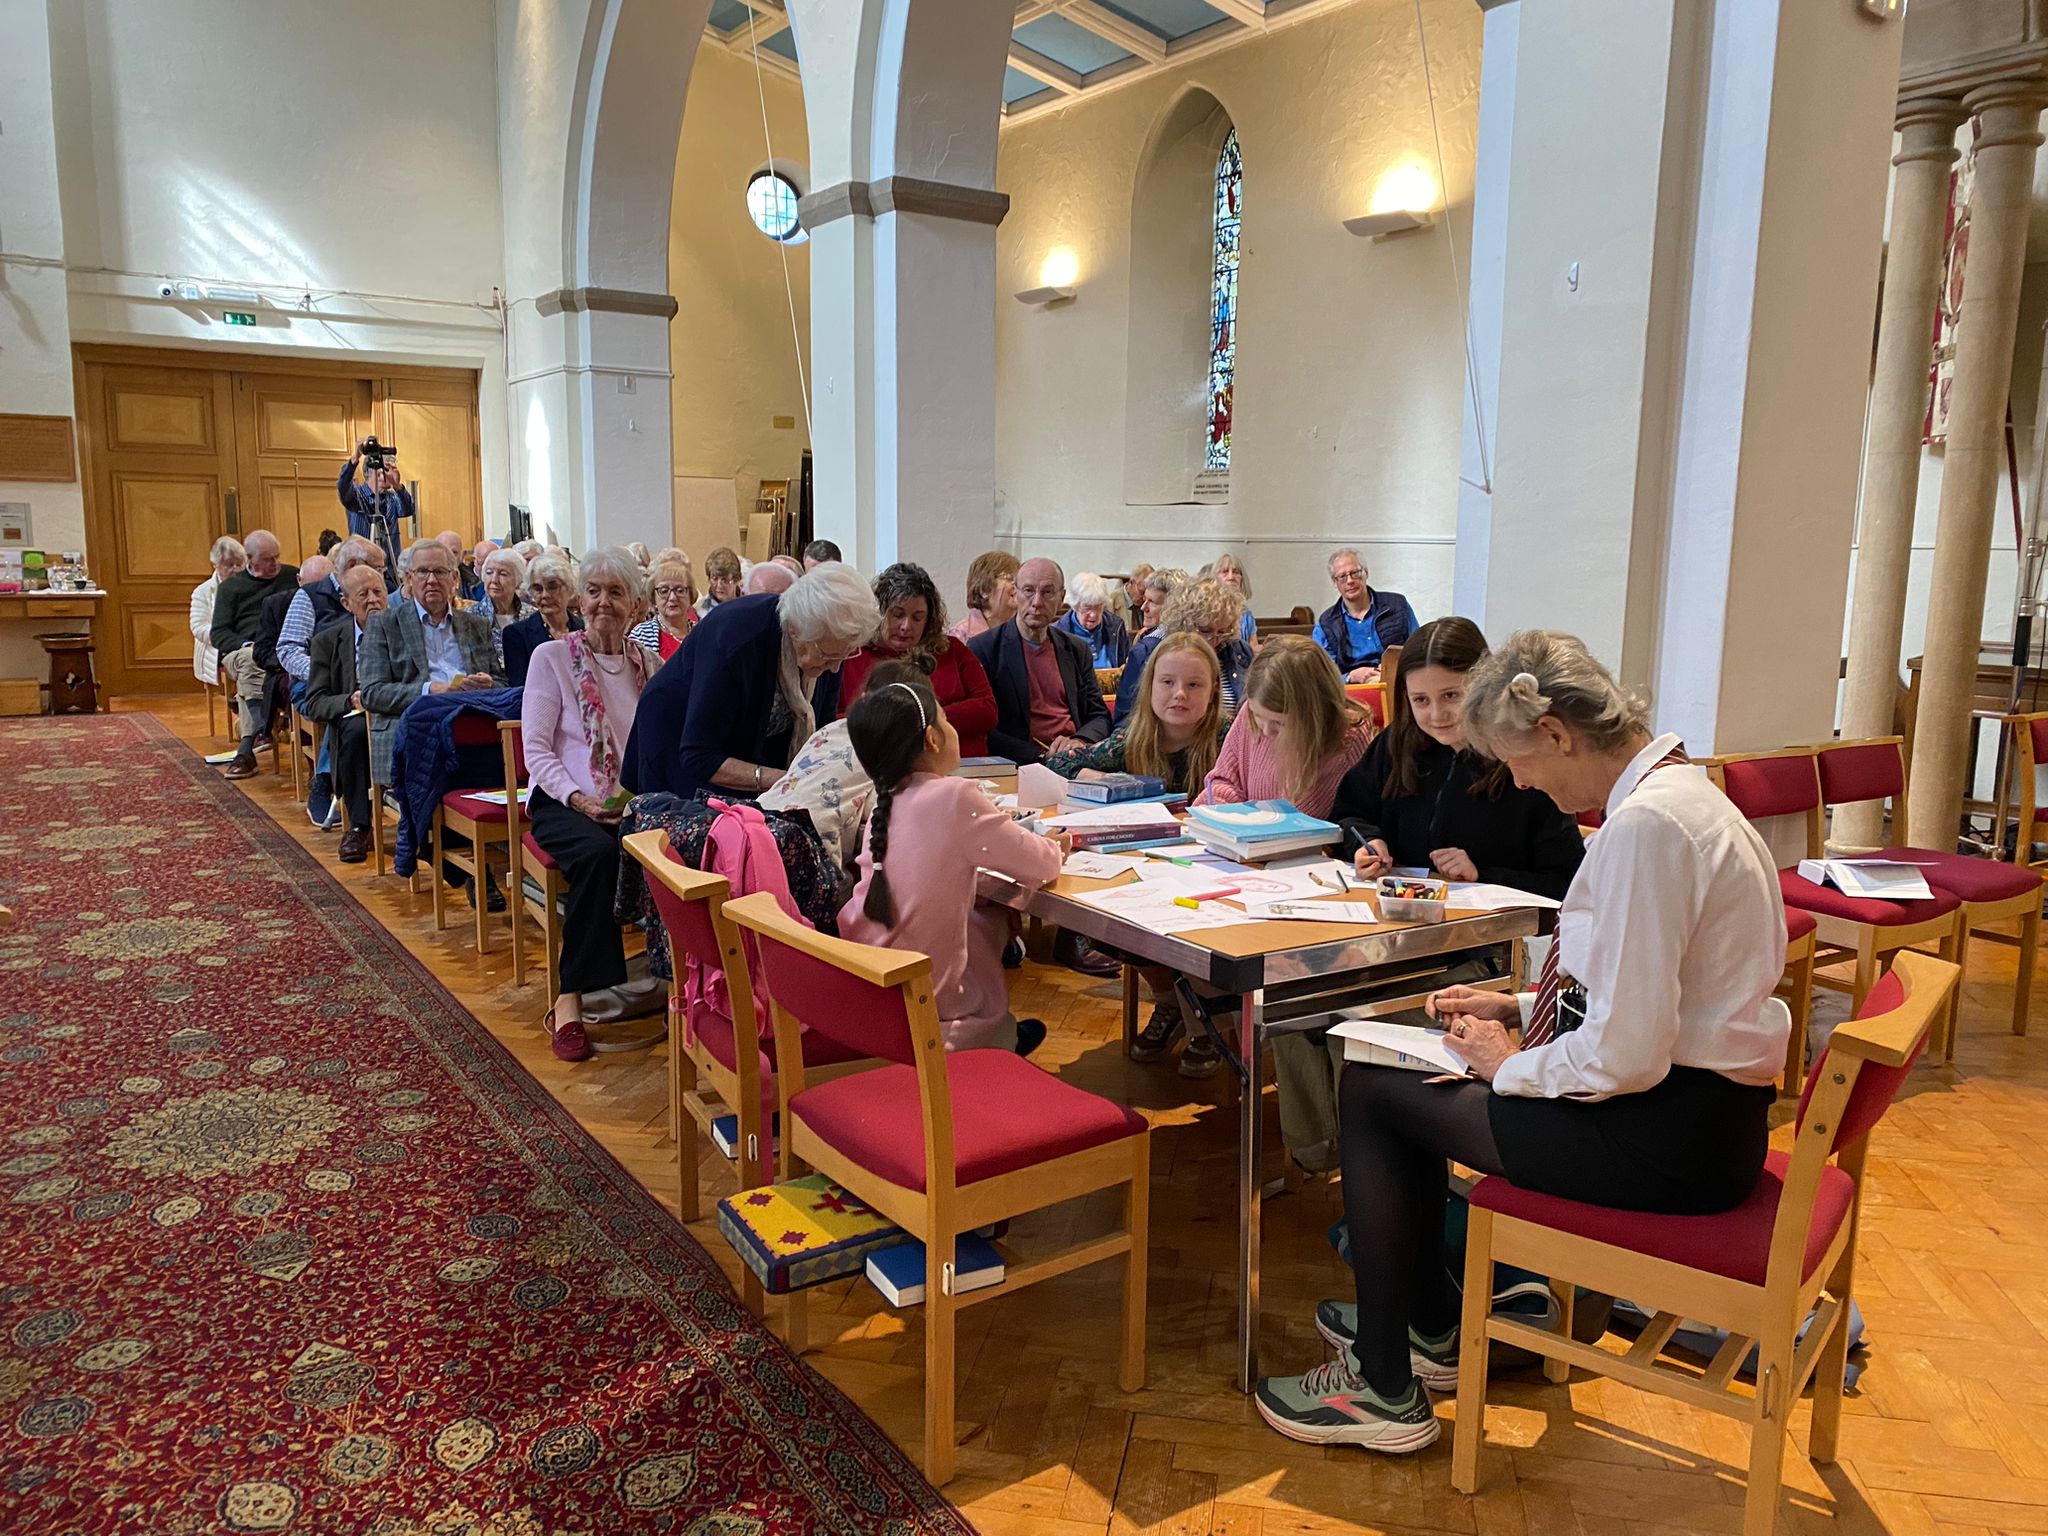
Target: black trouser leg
(593,949)
(351,759)
(1398,1130)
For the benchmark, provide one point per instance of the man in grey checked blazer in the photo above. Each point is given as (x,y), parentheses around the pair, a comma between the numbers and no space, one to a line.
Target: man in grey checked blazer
(403,659)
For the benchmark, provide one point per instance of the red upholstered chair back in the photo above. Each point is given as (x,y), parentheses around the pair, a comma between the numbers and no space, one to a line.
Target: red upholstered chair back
(697,958)
(1864,770)
(2037,728)
(1772,786)
(474,730)
(1592,820)
(515,742)
(1876,1083)
(1374,697)
(865,1016)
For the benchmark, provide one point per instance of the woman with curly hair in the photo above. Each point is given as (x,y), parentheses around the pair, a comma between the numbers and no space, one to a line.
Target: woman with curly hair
(914,627)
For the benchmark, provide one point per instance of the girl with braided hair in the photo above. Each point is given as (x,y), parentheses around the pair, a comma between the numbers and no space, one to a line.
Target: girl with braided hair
(928,834)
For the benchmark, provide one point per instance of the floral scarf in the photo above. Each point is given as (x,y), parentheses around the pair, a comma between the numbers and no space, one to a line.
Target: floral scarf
(583,670)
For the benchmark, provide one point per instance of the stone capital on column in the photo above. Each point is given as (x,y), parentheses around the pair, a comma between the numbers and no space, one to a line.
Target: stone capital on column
(2009,111)
(1927,126)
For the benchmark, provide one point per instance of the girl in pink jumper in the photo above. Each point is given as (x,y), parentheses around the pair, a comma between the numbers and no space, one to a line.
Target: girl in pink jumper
(1297,734)
(932,832)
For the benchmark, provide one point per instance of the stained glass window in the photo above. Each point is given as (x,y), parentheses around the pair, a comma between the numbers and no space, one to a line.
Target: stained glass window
(1223,302)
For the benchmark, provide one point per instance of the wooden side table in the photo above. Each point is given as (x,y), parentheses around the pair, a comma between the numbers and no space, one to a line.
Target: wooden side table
(73,688)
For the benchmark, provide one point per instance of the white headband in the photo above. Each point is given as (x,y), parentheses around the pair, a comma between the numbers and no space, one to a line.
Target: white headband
(922,723)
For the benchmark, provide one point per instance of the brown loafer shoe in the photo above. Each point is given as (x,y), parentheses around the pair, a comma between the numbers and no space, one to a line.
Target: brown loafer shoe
(241,768)
(355,845)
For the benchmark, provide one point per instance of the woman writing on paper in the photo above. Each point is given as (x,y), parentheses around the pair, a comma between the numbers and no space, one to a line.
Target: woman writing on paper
(1420,798)
(1647,1059)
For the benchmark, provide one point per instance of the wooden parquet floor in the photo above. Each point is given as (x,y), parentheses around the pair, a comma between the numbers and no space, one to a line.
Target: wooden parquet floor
(1946,1434)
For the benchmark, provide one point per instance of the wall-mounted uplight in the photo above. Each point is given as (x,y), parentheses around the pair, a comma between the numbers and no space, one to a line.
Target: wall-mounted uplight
(1401,203)
(1056,277)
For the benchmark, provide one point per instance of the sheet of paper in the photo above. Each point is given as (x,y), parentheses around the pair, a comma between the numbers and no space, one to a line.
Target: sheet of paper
(1038,786)
(497,796)
(1473,893)
(1098,866)
(1317,911)
(1152,906)
(1396,1040)
(1138,816)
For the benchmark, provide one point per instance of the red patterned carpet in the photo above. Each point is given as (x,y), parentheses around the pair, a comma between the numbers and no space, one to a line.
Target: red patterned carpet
(289,1242)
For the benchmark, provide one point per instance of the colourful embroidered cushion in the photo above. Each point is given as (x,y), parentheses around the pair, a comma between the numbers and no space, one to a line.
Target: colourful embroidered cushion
(803,1233)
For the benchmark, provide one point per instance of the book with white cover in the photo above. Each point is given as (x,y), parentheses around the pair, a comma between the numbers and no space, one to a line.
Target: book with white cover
(1383,1043)
(1868,879)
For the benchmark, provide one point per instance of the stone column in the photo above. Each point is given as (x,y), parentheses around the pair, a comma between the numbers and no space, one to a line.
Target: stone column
(1892,442)
(2009,114)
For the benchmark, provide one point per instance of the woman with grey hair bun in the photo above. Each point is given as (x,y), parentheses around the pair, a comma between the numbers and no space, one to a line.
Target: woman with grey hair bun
(550,586)
(1646,1060)
(757,677)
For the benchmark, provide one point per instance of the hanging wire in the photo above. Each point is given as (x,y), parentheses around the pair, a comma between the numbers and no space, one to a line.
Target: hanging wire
(1457,277)
(803,388)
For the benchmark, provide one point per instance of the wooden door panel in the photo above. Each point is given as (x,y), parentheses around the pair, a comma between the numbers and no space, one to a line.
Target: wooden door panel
(437,447)
(161,410)
(292,418)
(159,635)
(161,519)
(297,511)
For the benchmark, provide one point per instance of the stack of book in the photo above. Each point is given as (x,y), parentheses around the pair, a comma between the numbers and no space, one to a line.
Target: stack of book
(1258,830)
(984,768)
(1113,787)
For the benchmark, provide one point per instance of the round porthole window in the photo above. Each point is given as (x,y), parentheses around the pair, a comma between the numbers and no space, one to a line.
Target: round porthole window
(771,203)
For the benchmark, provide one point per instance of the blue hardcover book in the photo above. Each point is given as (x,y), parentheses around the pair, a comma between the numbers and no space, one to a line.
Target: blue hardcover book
(1112,788)
(898,1272)
(1261,821)
(725,1135)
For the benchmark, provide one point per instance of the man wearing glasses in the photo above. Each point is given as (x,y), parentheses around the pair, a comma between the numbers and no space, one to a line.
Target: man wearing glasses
(424,645)
(1357,629)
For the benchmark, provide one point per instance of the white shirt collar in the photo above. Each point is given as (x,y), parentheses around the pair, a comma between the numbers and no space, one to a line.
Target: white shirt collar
(1640,764)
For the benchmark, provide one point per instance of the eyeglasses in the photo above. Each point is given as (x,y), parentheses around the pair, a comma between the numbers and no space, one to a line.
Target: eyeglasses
(1350,573)
(436,572)
(671,591)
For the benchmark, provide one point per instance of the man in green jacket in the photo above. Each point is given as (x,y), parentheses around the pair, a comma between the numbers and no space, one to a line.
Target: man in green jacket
(237,610)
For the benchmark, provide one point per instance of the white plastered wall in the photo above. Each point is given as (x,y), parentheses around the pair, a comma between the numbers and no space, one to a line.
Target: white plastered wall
(736,356)
(348,172)
(1350,381)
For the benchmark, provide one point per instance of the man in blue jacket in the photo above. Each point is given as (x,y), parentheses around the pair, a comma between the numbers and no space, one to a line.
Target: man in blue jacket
(1357,629)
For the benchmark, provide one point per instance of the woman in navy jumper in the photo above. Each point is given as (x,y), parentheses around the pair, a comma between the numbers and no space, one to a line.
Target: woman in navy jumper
(757,677)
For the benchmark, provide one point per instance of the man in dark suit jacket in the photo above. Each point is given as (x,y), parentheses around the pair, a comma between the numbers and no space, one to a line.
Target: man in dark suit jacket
(1047,700)
(237,611)
(332,697)
(425,645)
(1047,697)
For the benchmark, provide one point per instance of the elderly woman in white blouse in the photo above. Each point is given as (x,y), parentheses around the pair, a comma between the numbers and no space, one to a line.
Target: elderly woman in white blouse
(582,692)
(1647,1055)
(228,557)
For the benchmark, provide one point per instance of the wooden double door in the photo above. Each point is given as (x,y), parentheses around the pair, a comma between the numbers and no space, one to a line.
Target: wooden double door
(181,447)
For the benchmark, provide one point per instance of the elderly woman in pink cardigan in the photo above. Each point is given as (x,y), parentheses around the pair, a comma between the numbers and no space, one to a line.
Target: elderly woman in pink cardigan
(582,692)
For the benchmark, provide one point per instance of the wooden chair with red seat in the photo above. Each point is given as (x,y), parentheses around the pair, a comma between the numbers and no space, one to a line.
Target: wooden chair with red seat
(467,813)
(729,1045)
(1759,1271)
(941,1143)
(1847,928)
(523,852)
(2026,751)
(1990,890)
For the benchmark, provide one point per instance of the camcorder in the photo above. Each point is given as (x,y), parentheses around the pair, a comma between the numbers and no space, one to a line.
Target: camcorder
(376,456)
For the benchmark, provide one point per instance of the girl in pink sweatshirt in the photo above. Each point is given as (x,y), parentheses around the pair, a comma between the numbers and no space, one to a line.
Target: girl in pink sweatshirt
(928,836)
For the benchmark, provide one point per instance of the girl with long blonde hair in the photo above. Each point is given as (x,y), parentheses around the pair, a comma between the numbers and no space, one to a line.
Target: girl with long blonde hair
(1295,736)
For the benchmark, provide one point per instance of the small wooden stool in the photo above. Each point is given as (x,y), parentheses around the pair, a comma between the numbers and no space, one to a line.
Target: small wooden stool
(73,689)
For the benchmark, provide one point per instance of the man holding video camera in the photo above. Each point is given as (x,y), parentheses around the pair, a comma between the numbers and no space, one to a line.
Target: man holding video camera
(376,505)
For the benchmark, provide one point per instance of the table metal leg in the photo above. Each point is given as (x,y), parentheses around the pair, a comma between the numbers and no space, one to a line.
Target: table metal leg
(1250,1191)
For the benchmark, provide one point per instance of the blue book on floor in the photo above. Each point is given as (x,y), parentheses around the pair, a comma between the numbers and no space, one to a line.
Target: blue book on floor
(898,1272)
(725,1135)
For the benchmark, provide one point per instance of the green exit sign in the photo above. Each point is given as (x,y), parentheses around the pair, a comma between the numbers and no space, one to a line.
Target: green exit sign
(238,317)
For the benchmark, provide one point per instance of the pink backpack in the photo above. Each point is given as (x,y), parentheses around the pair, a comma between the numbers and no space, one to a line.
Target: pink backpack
(740,848)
